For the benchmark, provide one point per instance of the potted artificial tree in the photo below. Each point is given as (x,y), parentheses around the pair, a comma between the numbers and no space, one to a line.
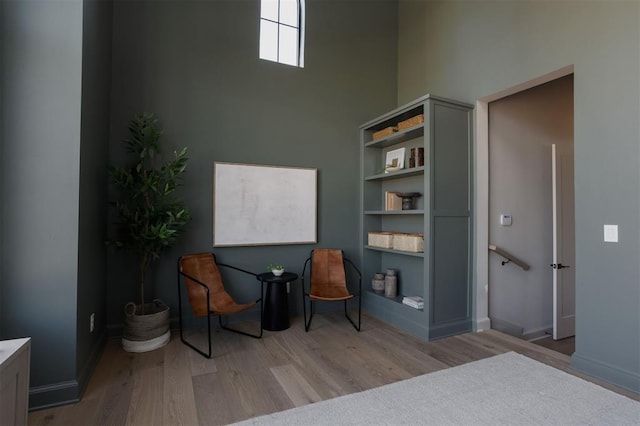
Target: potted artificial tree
(150,219)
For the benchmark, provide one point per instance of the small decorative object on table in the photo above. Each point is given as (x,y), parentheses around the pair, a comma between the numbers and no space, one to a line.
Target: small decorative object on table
(275,269)
(377,283)
(391,283)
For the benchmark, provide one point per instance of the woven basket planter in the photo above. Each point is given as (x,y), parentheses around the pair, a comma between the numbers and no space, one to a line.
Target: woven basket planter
(146,332)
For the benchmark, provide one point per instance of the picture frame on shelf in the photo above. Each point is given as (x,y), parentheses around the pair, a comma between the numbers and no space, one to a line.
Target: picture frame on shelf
(394,160)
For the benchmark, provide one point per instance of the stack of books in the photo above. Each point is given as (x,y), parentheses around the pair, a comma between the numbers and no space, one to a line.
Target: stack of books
(414,301)
(392,201)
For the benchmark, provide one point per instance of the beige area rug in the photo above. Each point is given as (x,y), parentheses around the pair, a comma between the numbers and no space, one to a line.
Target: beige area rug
(507,389)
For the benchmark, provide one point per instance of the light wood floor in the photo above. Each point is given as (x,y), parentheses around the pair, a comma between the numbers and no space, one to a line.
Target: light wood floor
(248,377)
(566,346)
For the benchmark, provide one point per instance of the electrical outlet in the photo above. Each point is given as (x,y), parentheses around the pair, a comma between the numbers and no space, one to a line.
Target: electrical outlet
(92,322)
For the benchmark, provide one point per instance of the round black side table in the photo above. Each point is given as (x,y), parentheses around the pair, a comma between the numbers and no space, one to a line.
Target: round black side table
(276,302)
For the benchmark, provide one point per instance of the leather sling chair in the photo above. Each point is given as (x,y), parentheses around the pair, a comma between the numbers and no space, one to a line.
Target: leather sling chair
(328,283)
(207,296)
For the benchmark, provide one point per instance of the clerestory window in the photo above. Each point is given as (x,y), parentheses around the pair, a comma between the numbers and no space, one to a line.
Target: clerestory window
(282,31)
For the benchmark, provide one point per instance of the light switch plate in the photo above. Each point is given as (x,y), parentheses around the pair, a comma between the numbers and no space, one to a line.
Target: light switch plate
(610,233)
(505,219)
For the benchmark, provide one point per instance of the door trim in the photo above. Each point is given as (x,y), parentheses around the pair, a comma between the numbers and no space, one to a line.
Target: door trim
(481,319)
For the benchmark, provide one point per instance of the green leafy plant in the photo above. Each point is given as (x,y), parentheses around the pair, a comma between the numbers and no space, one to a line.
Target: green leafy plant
(272,266)
(150,216)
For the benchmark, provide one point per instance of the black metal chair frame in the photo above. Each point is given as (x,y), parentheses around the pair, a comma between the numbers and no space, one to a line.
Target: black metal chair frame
(211,313)
(305,293)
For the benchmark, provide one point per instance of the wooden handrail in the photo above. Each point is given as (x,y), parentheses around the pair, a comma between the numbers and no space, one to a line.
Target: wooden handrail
(509,257)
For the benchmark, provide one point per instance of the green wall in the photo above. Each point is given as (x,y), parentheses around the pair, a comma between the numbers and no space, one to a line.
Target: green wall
(468,50)
(42,70)
(195,65)
(55,113)
(94,140)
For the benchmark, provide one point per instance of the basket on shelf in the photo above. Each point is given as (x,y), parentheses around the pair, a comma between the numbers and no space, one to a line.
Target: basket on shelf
(408,242)
(381,239)
(384,132)
(413,121)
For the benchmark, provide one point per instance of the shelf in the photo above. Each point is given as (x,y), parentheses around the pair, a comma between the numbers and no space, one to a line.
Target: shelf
(414,171)
(401,252)
(441,274)
(392,212)
(397,299)
(397,137)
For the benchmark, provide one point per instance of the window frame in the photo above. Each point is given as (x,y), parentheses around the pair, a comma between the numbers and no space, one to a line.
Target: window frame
(299,61)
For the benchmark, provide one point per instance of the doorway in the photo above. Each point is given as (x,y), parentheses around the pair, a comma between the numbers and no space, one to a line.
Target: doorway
(516,131)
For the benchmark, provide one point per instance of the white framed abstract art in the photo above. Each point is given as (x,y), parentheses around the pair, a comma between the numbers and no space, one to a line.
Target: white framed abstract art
(263,205)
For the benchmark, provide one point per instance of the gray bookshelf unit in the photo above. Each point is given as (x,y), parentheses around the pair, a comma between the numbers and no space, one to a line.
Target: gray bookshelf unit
(442,273)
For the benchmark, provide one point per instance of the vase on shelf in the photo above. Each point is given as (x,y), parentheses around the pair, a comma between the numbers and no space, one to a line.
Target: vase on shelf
(391,283)
(377,283)
(408,198)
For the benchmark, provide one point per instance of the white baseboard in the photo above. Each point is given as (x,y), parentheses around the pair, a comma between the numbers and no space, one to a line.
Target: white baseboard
(481,324)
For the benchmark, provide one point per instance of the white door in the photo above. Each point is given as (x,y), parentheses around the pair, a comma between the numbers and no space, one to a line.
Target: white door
(563,261)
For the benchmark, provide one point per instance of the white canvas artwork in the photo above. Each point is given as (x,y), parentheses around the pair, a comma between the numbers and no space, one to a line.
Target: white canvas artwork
(263,205)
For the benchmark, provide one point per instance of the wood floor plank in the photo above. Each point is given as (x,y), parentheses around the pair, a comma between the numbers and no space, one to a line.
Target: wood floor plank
(376,365)
(249,377)
(297,388)
(214,405)
(242,388)
(254,384)
(311,364)
(345,365)
(79,414)
(145,407)
(178,403)
(404,350)
(566,346)
(200,364)
(282,349)
(110,387)
(116,365)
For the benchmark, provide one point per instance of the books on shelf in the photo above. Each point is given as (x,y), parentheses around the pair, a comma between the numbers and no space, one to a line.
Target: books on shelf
(414,301)
(392,201)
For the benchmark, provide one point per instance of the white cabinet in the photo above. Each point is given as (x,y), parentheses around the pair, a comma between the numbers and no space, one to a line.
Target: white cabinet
(441,273)
(15,356)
